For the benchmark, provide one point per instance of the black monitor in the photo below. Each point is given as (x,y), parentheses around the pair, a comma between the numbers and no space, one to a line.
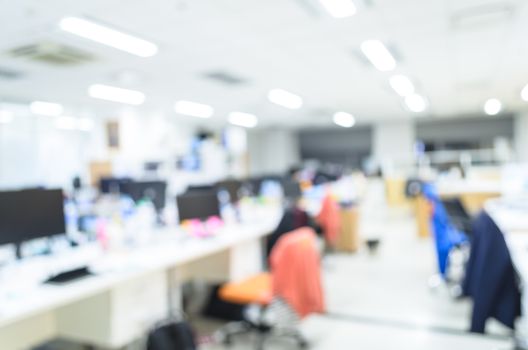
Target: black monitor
(155,191)
(291,188)
(31,214)
(200,188)
(198,205)
(232,187)
(112,184)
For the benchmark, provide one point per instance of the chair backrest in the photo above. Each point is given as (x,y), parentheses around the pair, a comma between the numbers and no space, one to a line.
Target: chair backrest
(296,271)
(457,214)
(446,235)
(329,219)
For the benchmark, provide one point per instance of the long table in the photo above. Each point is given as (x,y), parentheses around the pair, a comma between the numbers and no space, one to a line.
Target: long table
(134,288)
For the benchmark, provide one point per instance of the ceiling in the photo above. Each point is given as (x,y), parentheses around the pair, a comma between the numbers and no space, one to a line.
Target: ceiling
(458,52)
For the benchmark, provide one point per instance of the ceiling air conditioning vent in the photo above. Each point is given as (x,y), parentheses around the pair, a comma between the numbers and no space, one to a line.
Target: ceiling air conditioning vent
(52,53)
(225,77)
(482,16)
(10,74)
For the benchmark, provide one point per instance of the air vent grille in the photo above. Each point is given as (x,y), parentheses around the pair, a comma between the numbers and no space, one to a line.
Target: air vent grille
(52,54)
(10,74)
(225,77)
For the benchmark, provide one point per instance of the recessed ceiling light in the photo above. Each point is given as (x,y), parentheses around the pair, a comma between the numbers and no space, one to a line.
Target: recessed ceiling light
(416,103)
(492,106)
(245,120)
(285,99)
(524,93)
(339,8)
(346,120)
(46,108)
(6,116)
(108,36)
(194,109)
(402,85)
(378,55)
(115,94)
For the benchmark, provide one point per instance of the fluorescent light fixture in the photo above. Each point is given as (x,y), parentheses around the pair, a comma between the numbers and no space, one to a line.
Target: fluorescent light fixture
(416,103)
(108,36)
(285,98)
(85,124)
(194,109)
(492,106)
(346,120)
(339,8)
(6,116)
(115,94)
(378,55)
(46,108)
(66,123)
(245,120)
(524,93)
(402,85)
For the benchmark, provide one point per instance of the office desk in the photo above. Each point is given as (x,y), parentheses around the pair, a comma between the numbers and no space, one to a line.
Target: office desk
(134,289)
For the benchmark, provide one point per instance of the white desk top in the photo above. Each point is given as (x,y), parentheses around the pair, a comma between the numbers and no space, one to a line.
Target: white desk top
(169,248)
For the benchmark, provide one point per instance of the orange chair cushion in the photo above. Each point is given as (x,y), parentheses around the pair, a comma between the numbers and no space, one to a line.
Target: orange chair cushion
(254,290)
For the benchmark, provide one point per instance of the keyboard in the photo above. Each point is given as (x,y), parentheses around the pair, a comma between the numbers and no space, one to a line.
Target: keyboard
(69,276)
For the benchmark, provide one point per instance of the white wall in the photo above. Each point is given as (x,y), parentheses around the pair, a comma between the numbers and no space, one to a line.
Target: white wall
(33,152)
(272,151)
(521,137)
(393,143)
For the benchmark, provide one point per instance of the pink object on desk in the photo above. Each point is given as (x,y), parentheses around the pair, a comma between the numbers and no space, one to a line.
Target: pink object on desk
(214,223)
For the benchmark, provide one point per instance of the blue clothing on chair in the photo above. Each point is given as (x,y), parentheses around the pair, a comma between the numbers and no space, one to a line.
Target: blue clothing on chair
(446,236)
(491,280)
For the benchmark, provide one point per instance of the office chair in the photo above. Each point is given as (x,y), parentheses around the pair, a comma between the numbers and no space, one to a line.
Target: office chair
(451,244)
(292,290)
(458,214)
(329,218)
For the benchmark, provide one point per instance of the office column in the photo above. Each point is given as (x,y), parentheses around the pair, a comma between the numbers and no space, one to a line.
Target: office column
(521,136)
(393,143)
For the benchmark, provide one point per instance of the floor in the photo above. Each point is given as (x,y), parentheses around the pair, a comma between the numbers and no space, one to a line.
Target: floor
(383,300)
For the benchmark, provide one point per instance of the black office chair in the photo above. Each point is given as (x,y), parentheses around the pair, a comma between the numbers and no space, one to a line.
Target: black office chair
(458,214)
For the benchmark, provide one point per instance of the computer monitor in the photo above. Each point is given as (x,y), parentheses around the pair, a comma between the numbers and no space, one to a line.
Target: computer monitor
(232,187)
(31,214)
(200,188)
(112,184)
(291,188)
(155,191)
(198,205)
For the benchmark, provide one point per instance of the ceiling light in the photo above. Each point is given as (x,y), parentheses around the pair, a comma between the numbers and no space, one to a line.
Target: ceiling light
(108,36)
(66,123)
(524,93)
(402,85)
(378,55)
(492,106)
(6,116)
(46,108)
(285,99)
(346,120)
(339,8)
(416,103)
(115,94)
(245,120)
(194,109)
(85,124)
